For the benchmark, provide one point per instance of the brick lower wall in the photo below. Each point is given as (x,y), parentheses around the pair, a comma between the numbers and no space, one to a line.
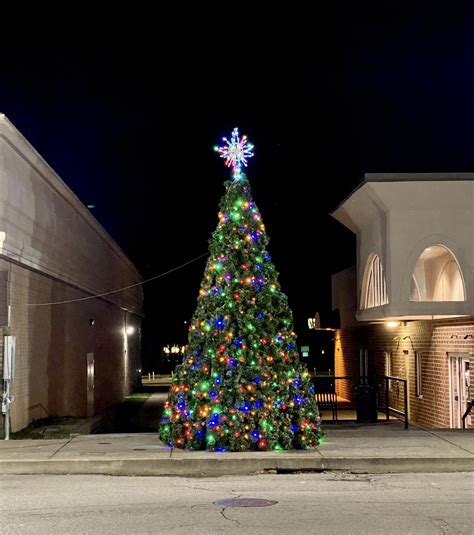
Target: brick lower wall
(51,347)
(436,340)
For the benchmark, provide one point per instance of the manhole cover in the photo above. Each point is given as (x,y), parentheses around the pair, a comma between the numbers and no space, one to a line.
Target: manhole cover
(245,502)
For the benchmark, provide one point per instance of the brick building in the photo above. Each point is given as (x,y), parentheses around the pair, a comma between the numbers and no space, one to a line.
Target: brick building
(407,307)
(72,359)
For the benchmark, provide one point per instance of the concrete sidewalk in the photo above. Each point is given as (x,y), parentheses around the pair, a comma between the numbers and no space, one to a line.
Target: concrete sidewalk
(379,448)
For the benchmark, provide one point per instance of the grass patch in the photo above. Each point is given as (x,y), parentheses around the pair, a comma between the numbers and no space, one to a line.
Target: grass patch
(137,398)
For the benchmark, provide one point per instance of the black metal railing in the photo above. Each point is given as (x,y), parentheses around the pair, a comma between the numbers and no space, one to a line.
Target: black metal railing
(389,409)
(328,383)
(467,413)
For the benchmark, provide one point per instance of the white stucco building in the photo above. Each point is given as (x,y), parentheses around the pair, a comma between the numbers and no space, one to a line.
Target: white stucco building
(73,359)
(415,269)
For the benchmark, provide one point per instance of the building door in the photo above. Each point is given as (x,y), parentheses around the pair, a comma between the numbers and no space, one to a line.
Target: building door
(90,384)
(459,386)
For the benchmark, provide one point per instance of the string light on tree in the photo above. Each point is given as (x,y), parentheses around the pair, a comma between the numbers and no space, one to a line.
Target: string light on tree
(235,152)
(241,385)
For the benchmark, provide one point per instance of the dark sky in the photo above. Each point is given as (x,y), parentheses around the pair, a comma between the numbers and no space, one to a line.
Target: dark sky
(127,112)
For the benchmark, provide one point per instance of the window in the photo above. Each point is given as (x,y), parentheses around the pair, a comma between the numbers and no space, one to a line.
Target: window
(418,383)
(388,363)
(437,276)
(374,288)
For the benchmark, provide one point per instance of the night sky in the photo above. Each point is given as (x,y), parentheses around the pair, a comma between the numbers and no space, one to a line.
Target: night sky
(128,120)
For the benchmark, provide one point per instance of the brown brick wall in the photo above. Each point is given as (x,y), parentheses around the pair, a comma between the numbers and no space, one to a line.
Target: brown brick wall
(435,339)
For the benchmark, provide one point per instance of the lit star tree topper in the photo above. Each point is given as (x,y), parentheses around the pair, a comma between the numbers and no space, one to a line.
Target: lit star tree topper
(235,152)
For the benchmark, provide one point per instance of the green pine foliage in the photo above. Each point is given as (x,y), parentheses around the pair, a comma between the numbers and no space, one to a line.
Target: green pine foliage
(241,385)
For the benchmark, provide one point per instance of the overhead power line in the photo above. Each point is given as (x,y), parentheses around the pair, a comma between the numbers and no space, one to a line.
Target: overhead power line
(118,289)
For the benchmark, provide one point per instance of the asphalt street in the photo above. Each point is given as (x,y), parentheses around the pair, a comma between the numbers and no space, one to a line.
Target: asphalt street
(329,503)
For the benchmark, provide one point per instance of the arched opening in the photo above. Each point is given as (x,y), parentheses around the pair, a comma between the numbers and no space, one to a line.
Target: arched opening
(437,276)
(374,288)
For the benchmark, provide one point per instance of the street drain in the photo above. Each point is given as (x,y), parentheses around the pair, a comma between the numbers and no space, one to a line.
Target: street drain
(139,449)
(104,442)
(245,502)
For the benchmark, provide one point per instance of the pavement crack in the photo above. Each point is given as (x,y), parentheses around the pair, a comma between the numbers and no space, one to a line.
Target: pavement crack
(60,448)
(443,525)
(356,478)
(230,519)
(192,487)
(432,433)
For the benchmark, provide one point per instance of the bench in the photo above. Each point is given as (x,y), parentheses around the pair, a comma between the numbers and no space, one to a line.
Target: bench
(327,401)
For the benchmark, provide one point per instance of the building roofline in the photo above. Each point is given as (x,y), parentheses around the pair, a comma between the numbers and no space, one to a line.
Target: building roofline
(66,193)
(405,177)
(416,177)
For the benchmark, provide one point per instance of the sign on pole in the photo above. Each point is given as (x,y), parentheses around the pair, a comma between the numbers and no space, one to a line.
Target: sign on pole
(305,351)
(9,357)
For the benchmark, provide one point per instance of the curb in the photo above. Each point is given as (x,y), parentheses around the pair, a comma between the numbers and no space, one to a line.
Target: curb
(189,467)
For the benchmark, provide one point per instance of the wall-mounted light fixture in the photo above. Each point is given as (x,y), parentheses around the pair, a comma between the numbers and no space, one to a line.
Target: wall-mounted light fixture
(468,336)
(92,322)
(454,336)
(392,324)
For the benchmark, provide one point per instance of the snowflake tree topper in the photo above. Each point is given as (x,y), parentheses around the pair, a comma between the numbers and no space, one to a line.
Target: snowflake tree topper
(235,152)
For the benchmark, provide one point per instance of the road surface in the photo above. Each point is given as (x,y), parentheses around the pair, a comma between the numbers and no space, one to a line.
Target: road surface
(329,503)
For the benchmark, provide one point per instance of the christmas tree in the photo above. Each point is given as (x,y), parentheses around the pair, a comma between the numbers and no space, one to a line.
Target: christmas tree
(241,385)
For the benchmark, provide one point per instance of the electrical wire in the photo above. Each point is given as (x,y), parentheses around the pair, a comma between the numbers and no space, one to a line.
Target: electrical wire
(118,289)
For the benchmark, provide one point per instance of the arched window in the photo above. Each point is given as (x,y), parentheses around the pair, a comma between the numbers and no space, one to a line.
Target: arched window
(437,276)
(374,288)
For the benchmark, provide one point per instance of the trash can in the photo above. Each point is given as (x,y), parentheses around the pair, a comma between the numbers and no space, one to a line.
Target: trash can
(366,403)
